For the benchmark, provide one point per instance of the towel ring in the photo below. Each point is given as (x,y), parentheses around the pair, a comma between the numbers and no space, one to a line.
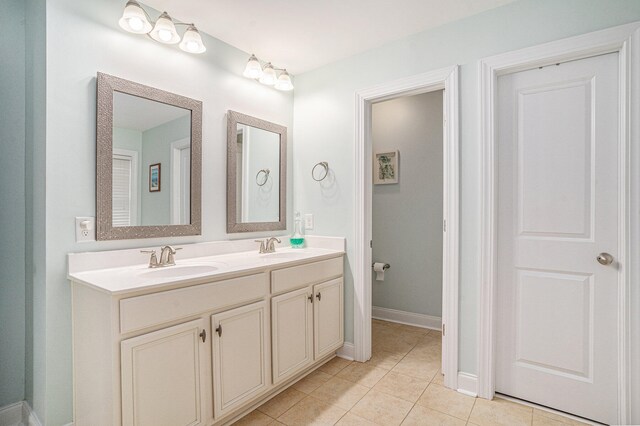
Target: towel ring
(323,164)
(266,176)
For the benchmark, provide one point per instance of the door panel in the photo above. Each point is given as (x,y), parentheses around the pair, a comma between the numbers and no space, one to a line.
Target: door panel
(557,210)
(240,356)
(327,317)
(291,326)
(161,377)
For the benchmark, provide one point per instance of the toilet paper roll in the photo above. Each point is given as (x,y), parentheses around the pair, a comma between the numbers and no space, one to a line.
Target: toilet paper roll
(378,267)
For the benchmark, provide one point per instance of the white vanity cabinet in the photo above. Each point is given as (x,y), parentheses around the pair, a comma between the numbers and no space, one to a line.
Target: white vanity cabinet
(206,350)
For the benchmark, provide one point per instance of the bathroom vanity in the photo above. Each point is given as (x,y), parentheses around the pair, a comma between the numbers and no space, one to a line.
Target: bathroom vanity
(202,342)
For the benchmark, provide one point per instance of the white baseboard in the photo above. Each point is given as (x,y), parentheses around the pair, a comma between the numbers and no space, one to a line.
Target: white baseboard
(18,414)
(347,351)
(468,384)
(409,318)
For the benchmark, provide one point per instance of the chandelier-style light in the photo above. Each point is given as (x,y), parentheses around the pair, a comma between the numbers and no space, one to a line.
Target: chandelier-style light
(267,74)
(136,20)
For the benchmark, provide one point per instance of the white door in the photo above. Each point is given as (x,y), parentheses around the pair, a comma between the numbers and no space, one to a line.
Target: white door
(240,356)
(162,377)
(557,211)
(291,332)
(328,324)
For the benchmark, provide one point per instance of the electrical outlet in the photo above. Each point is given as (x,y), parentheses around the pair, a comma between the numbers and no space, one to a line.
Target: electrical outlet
(308,221)
(85,229)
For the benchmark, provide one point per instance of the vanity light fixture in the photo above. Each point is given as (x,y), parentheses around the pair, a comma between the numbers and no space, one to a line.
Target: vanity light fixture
(267,75)
(136,20)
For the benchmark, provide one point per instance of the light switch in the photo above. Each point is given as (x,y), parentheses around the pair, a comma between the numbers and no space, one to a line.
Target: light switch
(308,221)
(85,229)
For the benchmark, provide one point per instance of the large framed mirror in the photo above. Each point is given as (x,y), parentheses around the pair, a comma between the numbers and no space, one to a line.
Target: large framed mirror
(148,161)
(256,174)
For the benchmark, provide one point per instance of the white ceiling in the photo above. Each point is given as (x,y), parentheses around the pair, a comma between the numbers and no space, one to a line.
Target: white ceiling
(302,35)
(132,112)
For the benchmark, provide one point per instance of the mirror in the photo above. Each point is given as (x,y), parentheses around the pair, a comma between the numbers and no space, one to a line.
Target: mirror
(256,174)
(148,161)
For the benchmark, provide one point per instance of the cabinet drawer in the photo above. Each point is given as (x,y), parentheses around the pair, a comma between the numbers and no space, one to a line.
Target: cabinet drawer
(303,275)
(140,312)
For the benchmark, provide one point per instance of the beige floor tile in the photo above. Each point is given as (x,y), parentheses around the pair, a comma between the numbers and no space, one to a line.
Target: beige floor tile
(254,418)
(438,379)
(436,333)
(311,411)
(340,392)
(500,412)
(412,328)
(447,401)
(384,359)
(427,353)
(351,419)
(334,366)
(423,416)
(405,387)
(382,409)
(417,367)
(281,402)
(312,381)
(362,374)
(541,416)
(384,323)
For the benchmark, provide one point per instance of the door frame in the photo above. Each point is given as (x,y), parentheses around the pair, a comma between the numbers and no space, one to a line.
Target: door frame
(447,79)
(625,40)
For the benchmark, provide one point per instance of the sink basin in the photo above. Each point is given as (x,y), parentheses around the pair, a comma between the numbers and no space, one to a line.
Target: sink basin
(284,255)
(179,271)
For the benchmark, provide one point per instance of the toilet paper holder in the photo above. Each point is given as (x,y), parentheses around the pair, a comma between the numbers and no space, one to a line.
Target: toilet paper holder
(384,268)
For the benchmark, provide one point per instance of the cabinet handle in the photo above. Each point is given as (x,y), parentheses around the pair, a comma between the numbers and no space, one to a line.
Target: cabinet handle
(310,297)
(203,335)
(219,330)
(319,296)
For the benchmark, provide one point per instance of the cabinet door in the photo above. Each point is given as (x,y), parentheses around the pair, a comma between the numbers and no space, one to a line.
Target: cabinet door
(328,317)
(291,328)
(162,376)
(240,356)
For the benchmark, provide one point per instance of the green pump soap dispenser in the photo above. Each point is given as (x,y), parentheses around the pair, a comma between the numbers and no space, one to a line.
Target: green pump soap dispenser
(297,239)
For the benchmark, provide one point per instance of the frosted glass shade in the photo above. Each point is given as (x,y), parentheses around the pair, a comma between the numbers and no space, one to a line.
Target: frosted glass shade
(165,31)
(284,81)
(134,20)
(192,41)
(269,76)
(253,68)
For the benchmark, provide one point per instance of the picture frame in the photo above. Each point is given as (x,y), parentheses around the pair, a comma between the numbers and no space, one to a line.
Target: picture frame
(155,177)
(386,167)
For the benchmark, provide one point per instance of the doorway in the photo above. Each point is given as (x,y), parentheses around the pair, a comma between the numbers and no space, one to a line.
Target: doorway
(445,80)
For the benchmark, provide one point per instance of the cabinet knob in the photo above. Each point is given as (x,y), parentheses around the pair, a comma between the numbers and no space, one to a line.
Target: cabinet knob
(319,296)
(203,335)
(219,330)
(310,297)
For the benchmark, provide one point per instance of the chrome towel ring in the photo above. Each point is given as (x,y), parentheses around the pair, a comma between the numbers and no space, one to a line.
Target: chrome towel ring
(325,166)
(266,176)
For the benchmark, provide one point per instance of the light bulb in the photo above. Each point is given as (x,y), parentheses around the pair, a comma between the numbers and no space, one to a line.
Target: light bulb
(164,30)
(284,81)
(134,19)
(253,68)
(192,41)
(269,76)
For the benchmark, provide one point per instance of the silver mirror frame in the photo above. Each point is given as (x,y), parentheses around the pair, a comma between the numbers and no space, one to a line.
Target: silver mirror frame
(233,119)
(106,86)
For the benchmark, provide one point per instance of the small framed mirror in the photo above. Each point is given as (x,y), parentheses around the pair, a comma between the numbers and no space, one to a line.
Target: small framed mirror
(256,174)
(148,161)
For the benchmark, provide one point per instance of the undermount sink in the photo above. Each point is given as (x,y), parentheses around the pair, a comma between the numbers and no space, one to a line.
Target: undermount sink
(179,271)
(284,255)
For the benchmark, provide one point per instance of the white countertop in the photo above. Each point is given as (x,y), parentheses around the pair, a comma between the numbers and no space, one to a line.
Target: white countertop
(113,272)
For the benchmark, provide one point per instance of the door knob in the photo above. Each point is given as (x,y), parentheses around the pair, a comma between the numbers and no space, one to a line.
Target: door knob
(605,259)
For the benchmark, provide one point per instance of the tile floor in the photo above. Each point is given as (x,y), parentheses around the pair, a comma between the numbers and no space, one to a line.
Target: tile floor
(400,384)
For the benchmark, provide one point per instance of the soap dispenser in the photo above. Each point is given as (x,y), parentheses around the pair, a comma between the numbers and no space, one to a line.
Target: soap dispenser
(297,239)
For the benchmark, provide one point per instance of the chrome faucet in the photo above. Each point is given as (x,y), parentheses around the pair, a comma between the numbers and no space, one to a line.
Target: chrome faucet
(268,246)
(166,257)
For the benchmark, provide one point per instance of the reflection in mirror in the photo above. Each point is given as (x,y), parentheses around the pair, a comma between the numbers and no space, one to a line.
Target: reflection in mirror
(258,171)
(256,174)
(149,159)
(151,162)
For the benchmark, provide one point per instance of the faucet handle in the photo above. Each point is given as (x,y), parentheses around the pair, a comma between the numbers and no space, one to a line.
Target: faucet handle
(153,260)
(171,260)
(262,246)
(271,244)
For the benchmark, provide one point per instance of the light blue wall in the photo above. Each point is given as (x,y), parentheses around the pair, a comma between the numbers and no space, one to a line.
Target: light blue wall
(407,216)
(324,119)
(12,204)
(96,43)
